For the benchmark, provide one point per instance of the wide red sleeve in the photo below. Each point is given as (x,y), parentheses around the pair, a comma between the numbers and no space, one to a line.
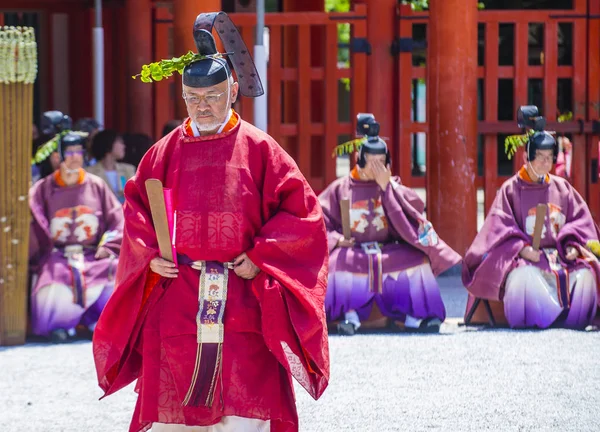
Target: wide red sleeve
(115,336)
(291,250)
(404,209)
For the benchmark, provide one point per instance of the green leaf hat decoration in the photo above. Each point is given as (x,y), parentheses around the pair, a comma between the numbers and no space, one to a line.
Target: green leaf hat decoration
(348,147)
(163,69)
(49,147)
(513,142)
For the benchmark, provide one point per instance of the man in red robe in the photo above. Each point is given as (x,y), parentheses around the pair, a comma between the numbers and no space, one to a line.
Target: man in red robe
(216,339)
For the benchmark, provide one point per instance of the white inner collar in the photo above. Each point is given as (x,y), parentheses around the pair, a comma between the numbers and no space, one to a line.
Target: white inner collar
(196,131)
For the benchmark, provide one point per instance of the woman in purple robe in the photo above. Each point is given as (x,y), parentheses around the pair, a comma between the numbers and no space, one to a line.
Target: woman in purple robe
(76,233)
(393,255)
(555,285)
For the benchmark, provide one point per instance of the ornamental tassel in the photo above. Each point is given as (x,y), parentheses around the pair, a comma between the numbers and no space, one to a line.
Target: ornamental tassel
(206,373)
(209,321)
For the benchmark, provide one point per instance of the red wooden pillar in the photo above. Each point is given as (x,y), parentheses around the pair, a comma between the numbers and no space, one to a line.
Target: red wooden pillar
(139,47)
(381,32)
(184,14)
(452,144)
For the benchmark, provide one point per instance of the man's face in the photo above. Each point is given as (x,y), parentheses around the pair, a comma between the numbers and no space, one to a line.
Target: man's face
(74,157)
(208,107)
(372,159)
(542,164)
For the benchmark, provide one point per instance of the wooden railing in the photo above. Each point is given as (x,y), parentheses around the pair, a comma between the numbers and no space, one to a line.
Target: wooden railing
(515,79)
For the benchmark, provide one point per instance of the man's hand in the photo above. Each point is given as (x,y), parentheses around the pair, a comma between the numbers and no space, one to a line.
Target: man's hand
(530,254)
(163,268)
(102,253)
(572,253)
(343,242)
(382,174)
(244,267)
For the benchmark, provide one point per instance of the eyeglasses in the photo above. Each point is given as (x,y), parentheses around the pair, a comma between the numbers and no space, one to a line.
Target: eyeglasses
(211,99)
(74,153)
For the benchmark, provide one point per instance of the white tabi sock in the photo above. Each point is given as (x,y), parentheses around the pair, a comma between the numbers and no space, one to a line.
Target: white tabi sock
(412,322)
(71,332)
(352,318)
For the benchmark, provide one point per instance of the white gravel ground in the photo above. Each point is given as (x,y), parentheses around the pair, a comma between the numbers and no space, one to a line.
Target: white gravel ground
(460,380)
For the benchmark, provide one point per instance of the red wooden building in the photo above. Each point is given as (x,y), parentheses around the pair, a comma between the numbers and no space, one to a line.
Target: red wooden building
(469,62)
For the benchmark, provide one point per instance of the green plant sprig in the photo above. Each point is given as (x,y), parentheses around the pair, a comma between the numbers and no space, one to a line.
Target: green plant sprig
(163,69)
(348,147)
(565,117)
(513,142)
(49,147)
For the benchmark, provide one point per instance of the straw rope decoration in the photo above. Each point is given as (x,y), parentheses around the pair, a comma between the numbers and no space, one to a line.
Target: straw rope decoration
(18,71)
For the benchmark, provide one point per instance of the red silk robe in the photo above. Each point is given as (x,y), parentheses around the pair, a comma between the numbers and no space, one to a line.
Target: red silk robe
(234,192)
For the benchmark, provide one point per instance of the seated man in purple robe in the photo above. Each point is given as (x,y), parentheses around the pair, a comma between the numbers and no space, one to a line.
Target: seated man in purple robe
(76,232)
(391,260)
(557,284)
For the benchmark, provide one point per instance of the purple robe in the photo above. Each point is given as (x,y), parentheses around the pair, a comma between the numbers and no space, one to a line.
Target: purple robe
(400,278)
(508,228)
(69,223)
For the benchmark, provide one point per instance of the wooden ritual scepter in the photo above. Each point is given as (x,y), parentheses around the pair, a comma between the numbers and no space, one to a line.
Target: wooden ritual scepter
(345,212)
(540,218)
(156,197)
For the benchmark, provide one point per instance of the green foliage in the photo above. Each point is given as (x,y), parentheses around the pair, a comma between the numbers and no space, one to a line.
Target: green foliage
(565,117)
(164,68)
(417,5)
(337,5)
(49,147)
(513,142)
(46,149)
(348,147)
